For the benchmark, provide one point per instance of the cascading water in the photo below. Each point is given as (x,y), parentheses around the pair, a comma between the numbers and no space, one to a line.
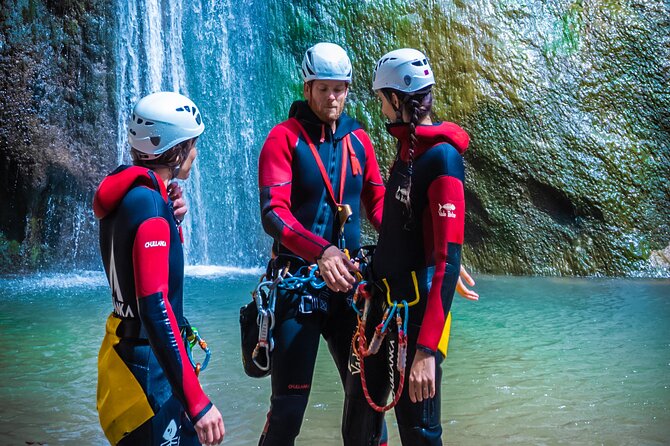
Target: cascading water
(564,139)
(211,52)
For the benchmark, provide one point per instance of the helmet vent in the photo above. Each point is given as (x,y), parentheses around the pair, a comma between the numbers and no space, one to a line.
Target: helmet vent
(198,119)
(148,123)
(155,140)
(139,120)
(193,110)
(179,109)
(132,132)
(187,108)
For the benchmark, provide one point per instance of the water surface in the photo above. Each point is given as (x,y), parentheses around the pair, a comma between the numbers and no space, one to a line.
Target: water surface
(537,361)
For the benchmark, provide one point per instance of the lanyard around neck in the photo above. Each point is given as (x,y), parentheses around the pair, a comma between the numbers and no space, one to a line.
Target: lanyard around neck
(322,169)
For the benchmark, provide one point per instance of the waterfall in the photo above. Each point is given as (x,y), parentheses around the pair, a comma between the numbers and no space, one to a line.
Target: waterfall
(212,52)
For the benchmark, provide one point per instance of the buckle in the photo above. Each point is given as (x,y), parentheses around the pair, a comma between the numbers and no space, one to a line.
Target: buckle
(309,304)
(306,304)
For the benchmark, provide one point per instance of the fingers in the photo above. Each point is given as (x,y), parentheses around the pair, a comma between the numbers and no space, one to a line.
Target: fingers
(180,209)
(210,428)
(412,393)
(343,267)
(420,390)
(465,291)
(178,203)
(466,276)
(471,295)
(222,431)
(335,280)
(328,278)
(335,269)
(174,191)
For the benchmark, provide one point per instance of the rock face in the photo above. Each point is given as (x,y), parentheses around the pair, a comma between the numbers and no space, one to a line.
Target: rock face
(567,104)
(568,107)
(56,128)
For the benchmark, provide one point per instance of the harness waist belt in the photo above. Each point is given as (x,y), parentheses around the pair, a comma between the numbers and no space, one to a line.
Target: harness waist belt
(310,304)
(404,285)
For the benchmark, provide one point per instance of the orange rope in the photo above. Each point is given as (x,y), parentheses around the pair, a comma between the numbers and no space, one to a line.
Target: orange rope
(363,350)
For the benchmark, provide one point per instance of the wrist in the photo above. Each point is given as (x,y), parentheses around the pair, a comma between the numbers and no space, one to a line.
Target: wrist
(424,351)
(323,251)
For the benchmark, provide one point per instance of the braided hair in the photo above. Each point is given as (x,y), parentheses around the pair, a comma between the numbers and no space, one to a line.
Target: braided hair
(417,105)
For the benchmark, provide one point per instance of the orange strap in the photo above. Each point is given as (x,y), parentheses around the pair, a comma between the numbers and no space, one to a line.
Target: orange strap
(346,147)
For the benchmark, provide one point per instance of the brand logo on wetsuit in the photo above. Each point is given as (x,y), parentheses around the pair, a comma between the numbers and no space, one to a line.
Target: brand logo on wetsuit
(391,352)
(446,210)
(170,435)
(354,364)
(155,243)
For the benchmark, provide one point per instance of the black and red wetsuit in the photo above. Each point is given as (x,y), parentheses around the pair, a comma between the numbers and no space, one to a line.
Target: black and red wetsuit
(426,241)
(298,211)
(148,392)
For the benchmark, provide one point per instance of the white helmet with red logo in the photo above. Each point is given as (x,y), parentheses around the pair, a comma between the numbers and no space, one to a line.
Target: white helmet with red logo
(405,70)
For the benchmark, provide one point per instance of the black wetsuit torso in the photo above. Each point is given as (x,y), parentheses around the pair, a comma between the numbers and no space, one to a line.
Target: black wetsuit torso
(148,392)
(299,213)
(426,242)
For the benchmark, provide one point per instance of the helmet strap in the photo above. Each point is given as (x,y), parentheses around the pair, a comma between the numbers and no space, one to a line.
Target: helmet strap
(398,110)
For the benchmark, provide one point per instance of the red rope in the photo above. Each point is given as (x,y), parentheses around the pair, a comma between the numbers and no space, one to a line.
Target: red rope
(362,351)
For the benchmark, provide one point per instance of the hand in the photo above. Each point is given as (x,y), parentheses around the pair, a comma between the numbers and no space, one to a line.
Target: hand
(422,377)
(335,267)
(178,203)
(210,428)
(462,289)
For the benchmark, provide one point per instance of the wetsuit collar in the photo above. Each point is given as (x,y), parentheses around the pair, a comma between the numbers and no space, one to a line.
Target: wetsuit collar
(116,185)
(317,129)
(429,136)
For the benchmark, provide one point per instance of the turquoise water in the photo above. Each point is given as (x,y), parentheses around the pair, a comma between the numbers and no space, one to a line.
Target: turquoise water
(538,361)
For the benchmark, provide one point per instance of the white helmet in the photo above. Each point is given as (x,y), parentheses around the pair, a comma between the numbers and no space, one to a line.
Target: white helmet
(162,120)
(326,61)
(406,70)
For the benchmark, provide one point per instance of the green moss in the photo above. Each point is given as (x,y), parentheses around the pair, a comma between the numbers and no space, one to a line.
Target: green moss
(9,254)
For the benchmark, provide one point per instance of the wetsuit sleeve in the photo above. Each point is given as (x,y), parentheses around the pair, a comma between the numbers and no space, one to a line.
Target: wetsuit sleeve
(274,179)
(372,194)
(446,206)
(151,250)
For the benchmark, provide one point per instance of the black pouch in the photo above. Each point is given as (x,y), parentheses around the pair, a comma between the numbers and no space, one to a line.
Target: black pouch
(249,338)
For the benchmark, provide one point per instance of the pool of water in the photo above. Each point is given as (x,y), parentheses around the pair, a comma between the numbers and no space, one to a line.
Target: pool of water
(536,361)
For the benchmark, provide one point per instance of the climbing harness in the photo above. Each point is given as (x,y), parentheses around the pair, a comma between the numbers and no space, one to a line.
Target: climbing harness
(192,337)
(265,296)
(362,349)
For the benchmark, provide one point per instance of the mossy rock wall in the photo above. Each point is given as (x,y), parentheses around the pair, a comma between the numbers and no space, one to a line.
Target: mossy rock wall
(567,103)
(57,129)
(568,107)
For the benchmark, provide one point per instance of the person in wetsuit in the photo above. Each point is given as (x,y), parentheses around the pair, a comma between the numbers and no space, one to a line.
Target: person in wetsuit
(418,254)
(310,164)
(148,392)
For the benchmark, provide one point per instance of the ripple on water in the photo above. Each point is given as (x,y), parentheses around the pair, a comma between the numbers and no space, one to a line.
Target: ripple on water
(562,367)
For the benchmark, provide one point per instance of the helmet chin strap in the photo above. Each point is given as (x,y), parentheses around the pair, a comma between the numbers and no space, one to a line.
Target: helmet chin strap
(397,110)
(177,168)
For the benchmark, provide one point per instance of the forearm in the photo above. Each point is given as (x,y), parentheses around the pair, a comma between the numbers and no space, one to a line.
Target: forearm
(151,251)
(447,212)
